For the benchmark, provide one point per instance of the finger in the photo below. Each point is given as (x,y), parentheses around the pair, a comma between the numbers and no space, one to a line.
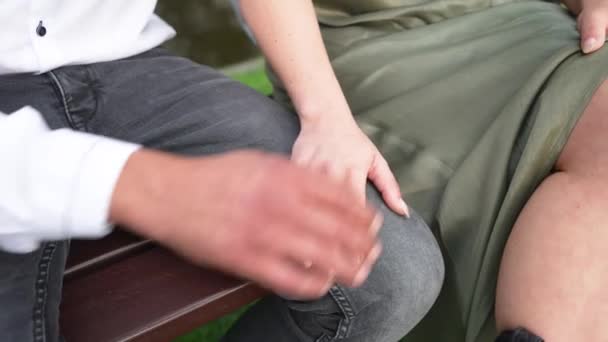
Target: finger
(357,180)
(324,193)
(592,27)
(285,277)
(326,255)
(339,215)
(353,234)
(382,176)
(367,265)
(316,194)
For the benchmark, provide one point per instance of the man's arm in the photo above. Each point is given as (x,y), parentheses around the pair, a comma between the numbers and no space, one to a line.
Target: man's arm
(55,184)
(220,211)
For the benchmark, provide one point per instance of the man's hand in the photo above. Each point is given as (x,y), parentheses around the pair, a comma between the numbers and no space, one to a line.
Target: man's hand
(592,22)
(251,214)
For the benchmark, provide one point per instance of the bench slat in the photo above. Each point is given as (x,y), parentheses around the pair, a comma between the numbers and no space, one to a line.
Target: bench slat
(83,251)
(143,294)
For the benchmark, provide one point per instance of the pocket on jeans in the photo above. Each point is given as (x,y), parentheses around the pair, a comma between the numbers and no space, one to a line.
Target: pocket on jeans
(317,318)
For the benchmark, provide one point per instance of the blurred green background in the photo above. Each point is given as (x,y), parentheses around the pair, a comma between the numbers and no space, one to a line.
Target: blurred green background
(208,31)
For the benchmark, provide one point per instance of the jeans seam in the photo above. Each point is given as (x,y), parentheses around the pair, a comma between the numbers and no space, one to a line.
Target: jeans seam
(347,310)
(64,100)
(42,278)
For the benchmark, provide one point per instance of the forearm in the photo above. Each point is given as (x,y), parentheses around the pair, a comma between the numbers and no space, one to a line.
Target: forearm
(289,36)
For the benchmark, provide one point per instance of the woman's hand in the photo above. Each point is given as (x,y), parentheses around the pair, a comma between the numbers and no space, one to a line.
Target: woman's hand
(336,146)
(288,34)
(592,22)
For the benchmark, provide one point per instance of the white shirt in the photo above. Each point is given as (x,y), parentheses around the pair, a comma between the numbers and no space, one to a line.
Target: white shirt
(58,184)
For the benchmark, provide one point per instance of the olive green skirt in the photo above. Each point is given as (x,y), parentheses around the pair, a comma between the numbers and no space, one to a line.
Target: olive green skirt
(471,103)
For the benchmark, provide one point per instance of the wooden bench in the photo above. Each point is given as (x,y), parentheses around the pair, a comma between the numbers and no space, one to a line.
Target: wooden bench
(122,288)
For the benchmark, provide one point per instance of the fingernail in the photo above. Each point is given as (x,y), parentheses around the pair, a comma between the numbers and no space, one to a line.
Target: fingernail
(376,225)
(406,209)
(589,44)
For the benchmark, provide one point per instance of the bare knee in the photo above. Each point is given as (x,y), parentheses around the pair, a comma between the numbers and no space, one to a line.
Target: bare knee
(554,259)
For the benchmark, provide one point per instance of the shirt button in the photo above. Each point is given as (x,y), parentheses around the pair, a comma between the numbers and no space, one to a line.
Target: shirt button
(41,30)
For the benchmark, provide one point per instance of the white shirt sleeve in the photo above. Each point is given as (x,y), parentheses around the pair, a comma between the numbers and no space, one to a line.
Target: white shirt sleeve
(54,184)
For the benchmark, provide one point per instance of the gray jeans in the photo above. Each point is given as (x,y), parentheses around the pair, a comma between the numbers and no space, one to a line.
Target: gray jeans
(172,104)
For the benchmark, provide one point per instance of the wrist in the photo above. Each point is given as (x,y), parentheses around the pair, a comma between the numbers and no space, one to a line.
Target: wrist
(137,200)
(317,113)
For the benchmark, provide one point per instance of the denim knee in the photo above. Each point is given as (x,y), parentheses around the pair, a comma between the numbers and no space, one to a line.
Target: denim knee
(406,282)
(401,289)
(398,293)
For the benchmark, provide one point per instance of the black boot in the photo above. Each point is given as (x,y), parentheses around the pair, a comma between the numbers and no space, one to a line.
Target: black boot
(518,335)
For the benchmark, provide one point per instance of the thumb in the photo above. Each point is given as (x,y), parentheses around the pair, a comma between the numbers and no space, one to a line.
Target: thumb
(381,175)
(592,27)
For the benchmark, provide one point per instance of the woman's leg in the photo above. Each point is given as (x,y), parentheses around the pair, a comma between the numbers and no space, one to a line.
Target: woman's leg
(554,275)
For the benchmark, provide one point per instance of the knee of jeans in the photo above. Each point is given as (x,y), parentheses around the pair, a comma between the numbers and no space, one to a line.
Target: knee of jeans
(418,285)
(407,279)
(418,289)
(400,291)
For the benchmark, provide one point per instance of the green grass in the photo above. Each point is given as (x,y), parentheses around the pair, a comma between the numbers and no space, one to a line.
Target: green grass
(213,331)
(256,79)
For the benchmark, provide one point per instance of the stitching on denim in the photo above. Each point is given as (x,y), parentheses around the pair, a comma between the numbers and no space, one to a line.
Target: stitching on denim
(40,288)
(323,338)
(347,310)
(64,101)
